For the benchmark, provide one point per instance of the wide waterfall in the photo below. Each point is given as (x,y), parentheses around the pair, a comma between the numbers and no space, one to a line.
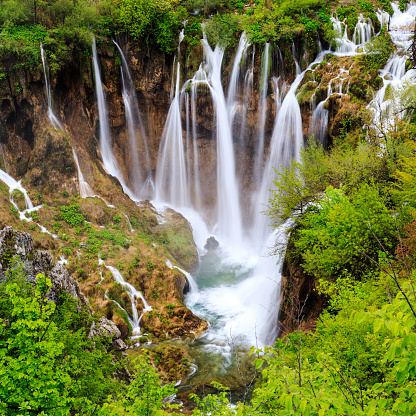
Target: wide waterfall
(238,285)
(395,78)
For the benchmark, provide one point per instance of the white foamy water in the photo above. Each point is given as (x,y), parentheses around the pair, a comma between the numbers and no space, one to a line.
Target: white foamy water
(387,108)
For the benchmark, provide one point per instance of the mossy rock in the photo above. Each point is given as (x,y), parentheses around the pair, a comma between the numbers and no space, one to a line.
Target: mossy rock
(176,235)
(19,199)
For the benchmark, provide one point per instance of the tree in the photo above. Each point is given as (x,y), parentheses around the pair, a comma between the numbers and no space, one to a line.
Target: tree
(32,379)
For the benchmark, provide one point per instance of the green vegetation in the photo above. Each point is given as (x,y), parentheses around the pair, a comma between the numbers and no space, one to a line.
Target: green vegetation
(66,27)
(48,364)
(71,216)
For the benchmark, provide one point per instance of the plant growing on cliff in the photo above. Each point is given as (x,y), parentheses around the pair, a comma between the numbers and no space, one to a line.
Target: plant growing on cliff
(71,215)
(47,363)
(155,21)
(31,377)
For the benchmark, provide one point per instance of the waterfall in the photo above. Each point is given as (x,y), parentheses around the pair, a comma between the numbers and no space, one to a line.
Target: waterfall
(363,31)
(394,75)
(319,123)
(197,184)
(142,188)
(295,59)
(171,179)
(228,203)
(53,119)
(233,83)
(259,154)
(344,45)
(15,185)
(109,161)
(85,190)
(248,96)
(133,294)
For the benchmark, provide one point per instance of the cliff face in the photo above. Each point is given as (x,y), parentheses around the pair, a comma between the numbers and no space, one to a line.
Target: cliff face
(43,157)
(301,304)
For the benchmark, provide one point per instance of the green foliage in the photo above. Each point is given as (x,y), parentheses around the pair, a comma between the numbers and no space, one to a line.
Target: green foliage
(35,216)
(378,51)
(221,30)
(403,5)
(30,346)
(340,232)
(99,237)
(358,363)
(155,21)
(302,183)
(71,216)
(145,394)
(47,363)
(213,404)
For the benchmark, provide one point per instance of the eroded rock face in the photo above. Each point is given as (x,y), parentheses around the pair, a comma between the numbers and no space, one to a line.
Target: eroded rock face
(179,240)
(15,245)
(301,304)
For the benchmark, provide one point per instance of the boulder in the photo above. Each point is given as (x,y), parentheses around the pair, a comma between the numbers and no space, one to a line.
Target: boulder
(19,245)
(106,328)
(211,244)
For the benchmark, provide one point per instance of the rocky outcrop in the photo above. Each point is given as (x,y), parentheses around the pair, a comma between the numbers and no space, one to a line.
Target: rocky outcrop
(176,232)
(211,244)
(18,246)
(15,245)
(106,328)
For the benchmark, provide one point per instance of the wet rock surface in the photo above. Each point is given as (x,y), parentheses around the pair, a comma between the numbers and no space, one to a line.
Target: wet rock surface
(211,244)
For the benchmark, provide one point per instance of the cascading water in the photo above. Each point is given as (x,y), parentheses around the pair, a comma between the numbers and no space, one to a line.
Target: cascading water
(229,223)
(233,84)
(386,108)
(85,190)
(248,96)
(171,179)
(197,184)
(363,31)
(53,119)
(319,123)
(109,161)
(140,171)
(134,296)
(16,185)
(344,45)
(262,110)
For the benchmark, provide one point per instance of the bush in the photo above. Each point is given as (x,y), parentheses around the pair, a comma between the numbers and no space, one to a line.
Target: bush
(154,21)
(71,216)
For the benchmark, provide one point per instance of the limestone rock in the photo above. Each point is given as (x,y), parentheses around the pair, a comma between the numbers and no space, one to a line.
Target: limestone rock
(15,244)
(108,329)
(211,244)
